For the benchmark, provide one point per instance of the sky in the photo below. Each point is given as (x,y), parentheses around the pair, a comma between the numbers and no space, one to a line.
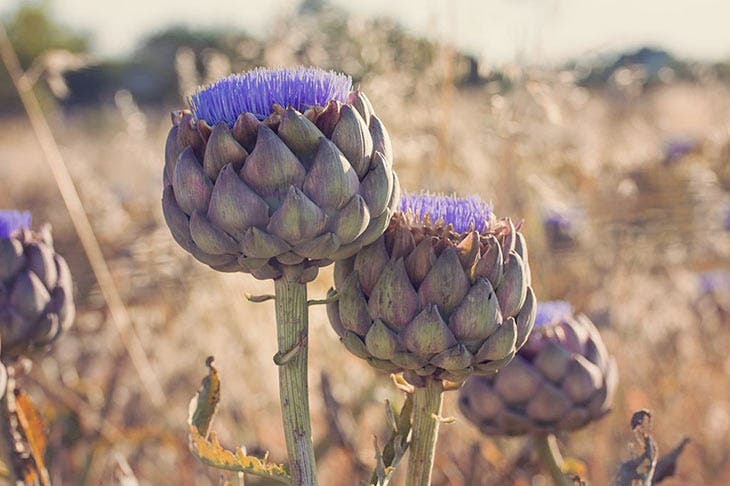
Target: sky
(530,31)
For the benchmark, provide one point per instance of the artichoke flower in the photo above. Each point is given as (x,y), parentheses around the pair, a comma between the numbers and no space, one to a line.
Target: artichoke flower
(445,293)
(278,172)
(561,379)
(36,291)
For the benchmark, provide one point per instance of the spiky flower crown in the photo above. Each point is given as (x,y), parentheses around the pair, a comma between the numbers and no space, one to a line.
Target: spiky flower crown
(257,91)
(11,221)
(462,213)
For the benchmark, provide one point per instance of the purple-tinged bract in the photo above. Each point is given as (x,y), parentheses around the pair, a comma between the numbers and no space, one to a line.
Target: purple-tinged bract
(562,379)
(461,213)
(257,91)
(11,221)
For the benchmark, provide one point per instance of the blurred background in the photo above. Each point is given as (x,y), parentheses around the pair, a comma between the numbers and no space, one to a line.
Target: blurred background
(605,126)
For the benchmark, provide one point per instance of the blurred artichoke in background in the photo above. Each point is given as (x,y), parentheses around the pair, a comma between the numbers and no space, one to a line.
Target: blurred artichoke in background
(278,171)
(443,294)
(36,292)
(561,379)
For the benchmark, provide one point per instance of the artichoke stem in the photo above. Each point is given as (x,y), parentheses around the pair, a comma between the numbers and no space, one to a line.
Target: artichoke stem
(547,448)
(427,402)
(292,327)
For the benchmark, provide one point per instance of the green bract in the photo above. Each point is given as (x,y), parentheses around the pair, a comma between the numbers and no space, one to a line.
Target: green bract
(36,292)
(287,194)
(433,302)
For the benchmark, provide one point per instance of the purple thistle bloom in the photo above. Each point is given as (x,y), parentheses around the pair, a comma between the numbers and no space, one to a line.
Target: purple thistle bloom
(678,148)
(552,311)
(11,221)
(459,212)
(559,220)
(256,92)
(714,281)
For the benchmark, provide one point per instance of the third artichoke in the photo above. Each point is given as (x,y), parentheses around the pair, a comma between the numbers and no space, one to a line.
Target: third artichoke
(562,379)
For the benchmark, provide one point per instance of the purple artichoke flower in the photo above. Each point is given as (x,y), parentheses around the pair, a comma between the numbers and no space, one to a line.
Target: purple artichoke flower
(678,148)
(714,281)
(36,292)
(443,294)
(560,228)
(562,379)
(278,171)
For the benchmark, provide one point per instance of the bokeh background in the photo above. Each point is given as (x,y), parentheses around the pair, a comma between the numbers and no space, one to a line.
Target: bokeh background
(605,126)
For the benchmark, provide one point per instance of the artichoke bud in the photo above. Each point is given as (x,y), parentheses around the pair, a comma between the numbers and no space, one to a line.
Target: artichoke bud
(427,301)
(561,379)
(36,291)
(278,165)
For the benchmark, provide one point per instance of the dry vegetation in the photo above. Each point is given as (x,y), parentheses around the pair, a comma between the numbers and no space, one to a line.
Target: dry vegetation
(644,229)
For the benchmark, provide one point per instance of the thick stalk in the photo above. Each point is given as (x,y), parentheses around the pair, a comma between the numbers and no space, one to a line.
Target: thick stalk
(427,403)
(552,459)
(292,327)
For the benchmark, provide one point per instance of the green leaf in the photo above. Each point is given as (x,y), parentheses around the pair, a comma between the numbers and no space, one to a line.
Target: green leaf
(397,444)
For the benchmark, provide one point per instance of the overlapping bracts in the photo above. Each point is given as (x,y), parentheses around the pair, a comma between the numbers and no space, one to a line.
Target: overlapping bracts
(36,292)
(434,302)
(562,379)
(286,194)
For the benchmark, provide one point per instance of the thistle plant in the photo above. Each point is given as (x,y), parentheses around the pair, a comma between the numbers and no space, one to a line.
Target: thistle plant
(277,173)
(36,304)
(36,291)
(443,294)
(561,380)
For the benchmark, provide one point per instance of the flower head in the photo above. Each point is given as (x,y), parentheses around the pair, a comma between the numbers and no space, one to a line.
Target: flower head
(461,213)
(11,221)
(678,148)
(553,311)
(714,281)
(263,183)
(443,294)
(258,90)
(561,379)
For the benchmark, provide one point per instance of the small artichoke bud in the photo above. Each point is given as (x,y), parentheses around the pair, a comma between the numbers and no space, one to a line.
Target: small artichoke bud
(36,291)
(275,169)
(560,380)
(425,296)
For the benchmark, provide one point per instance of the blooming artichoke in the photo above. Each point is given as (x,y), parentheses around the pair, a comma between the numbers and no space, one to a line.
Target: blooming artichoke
(36,292)
(278,171)
(443,294)
(561,379)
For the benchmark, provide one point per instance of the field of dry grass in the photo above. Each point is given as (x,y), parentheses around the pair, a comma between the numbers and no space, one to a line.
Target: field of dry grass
(644,229)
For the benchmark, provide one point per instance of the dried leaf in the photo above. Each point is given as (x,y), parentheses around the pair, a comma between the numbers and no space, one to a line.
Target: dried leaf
(211,453)
(31,426)
(204,444)
(204,405)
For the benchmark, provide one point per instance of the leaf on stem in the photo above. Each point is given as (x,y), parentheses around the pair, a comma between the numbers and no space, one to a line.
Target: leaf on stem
(204,444)
(397,444)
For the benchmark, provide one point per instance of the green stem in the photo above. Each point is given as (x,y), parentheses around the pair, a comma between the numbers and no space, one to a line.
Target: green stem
(547,448)
(427,403)
(292,328)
